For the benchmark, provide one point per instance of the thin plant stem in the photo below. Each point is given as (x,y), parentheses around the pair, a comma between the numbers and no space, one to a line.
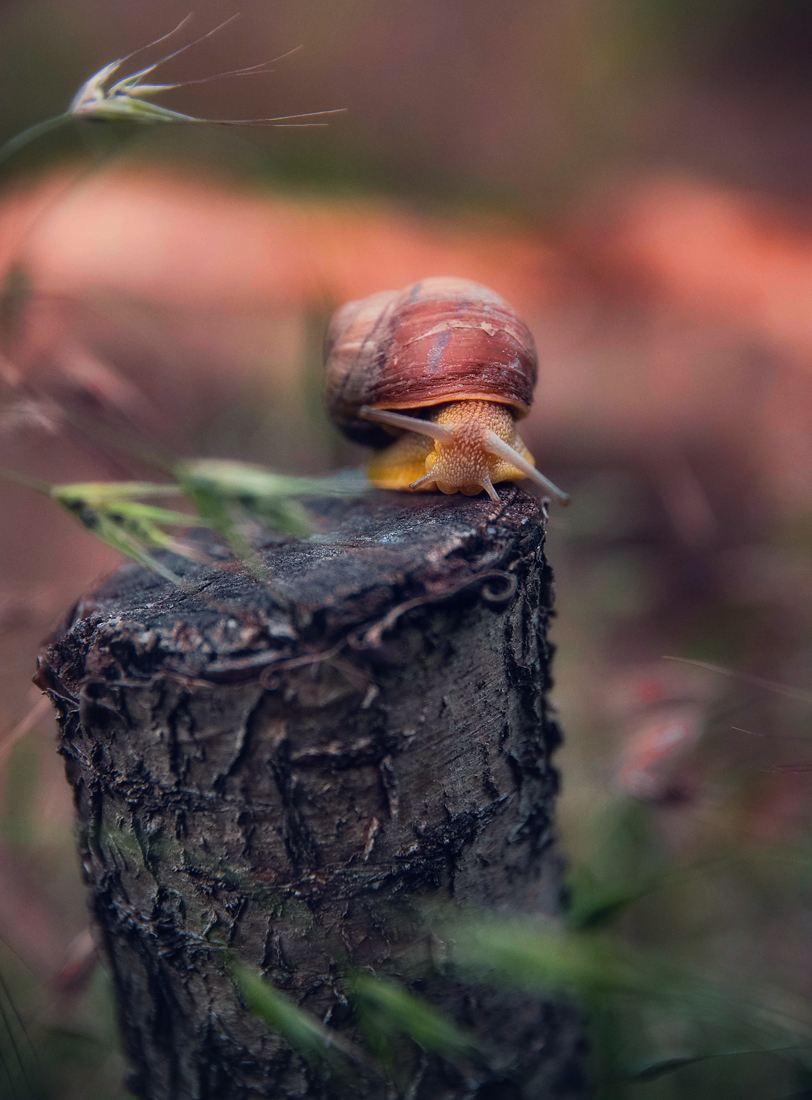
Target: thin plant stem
(39,129)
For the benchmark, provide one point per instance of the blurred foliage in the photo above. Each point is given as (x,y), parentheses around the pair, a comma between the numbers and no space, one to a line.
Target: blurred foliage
(387,1011)
(598,75)
(300,1029)
(692,23)
(660,1025)
(46,1056)
(224,495)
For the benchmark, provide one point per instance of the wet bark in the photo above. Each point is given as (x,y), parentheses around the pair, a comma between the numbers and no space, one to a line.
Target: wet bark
(304,776)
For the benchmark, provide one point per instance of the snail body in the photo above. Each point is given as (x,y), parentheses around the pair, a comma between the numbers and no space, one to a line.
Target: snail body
(447,366)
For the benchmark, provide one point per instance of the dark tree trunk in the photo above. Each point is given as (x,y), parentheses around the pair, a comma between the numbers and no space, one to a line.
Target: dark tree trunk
(308,773)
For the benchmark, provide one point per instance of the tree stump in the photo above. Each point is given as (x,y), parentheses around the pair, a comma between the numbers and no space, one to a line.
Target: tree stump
(303,773)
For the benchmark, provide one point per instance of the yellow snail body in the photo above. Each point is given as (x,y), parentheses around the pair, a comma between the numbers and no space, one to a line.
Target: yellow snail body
(447,366)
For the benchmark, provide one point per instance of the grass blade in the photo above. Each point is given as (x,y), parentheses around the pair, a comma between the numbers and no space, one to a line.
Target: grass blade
(387,1010)
(300,1029)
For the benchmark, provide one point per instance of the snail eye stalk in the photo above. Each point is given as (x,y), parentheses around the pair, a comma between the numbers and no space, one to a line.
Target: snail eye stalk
(408,423)
(503,450)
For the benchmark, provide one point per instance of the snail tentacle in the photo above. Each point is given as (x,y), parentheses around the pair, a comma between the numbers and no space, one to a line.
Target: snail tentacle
(503,450)
(431,477)
(424,480)
(408,423)
(487,485)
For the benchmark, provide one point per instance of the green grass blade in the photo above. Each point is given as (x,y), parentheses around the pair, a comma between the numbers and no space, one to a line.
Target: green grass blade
(100,491)
(527,955)
(392,1010)
(300,1029)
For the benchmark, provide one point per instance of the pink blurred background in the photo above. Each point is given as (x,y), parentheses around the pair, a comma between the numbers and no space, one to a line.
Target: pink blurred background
(634,177)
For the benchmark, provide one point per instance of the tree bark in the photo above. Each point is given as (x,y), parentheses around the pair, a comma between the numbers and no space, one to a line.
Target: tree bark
(307,772)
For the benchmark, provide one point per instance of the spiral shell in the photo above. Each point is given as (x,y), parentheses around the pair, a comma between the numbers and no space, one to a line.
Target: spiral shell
(442,339)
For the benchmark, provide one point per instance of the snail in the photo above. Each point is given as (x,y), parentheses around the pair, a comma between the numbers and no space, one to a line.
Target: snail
(448,367)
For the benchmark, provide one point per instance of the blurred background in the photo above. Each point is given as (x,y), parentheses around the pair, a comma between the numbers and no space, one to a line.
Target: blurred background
(636,178)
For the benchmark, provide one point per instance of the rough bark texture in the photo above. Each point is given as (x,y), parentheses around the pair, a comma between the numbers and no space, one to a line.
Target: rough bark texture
(308,779)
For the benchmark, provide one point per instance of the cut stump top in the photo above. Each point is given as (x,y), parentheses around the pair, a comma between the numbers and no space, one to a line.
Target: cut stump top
(368,559)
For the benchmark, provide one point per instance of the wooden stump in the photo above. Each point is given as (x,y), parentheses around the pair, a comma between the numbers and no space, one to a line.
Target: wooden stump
(307,774)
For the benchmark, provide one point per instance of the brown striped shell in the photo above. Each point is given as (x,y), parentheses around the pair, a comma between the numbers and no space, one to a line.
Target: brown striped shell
(442,339)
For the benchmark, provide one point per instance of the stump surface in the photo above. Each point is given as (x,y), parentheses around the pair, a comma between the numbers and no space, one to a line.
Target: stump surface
(304,774)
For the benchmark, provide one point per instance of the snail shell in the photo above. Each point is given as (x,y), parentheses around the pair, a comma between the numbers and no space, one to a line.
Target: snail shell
(442,339)
(456,351)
